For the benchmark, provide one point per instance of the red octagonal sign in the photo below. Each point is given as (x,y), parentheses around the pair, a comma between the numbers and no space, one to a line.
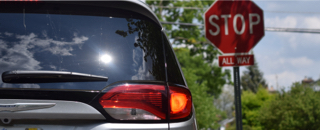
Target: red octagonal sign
(234,26)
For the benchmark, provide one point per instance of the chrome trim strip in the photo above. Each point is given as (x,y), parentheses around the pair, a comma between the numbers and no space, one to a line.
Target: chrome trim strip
(66,110)
(24,106)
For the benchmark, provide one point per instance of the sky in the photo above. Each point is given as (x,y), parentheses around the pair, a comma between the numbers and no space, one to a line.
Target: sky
(286,57)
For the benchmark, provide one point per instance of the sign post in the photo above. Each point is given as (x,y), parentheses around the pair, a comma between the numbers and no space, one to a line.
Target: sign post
(234,27)
(237,97)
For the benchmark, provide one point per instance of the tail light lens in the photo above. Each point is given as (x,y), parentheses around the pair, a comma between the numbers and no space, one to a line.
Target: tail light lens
(146,102)
(135,102)
(180,102)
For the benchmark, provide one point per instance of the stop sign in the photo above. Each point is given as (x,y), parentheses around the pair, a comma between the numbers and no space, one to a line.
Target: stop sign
(234,26)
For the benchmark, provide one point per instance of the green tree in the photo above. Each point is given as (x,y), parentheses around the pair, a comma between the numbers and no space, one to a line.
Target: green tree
(298,109)
(194,68)
(252,78)
(225,101)
(251,106)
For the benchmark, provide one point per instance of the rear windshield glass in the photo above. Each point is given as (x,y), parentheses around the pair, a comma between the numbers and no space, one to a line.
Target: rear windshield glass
(118,44)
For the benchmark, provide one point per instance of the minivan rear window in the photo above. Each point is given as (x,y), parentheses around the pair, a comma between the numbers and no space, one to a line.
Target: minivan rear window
(119,44)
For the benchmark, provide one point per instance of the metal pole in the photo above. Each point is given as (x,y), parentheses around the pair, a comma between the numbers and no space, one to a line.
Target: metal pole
(237,96)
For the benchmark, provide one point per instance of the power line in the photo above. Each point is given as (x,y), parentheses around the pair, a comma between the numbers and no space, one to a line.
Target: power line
(199,8)
(291,12)
(273,29)
(169,7)
(297,30)
(186,24)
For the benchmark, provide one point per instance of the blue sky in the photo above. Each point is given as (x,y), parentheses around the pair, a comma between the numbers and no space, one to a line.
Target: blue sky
(289,56)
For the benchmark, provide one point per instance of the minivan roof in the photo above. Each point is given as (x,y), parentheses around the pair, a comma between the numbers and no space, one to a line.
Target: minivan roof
(131,5)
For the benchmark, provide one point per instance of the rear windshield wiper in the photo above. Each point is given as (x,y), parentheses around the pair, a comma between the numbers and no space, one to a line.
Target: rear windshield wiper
(22,76)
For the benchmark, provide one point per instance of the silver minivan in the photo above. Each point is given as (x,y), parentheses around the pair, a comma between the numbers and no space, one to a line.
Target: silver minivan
(89,65)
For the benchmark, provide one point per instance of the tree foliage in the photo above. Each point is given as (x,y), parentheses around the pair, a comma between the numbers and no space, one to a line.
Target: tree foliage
(252,78)
(194,70)
(298,109)
(184,34)
(209,74)
(225,101)
(251,107)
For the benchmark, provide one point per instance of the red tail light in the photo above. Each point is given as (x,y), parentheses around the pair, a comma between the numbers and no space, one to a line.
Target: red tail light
(146,102)
(180,102)
(135,102)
